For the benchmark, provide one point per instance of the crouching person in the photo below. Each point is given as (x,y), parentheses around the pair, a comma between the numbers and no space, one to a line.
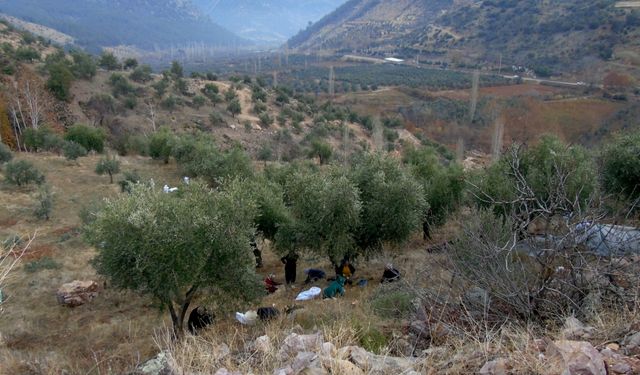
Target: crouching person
(270,284)
(335,288)
(199,319)
(314,275)
(390,274)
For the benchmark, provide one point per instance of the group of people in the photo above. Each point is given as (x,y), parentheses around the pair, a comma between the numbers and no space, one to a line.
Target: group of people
(345,272)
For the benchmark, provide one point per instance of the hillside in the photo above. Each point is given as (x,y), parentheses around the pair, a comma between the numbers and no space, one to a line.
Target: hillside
(266,21)
(544,35)
(142,23)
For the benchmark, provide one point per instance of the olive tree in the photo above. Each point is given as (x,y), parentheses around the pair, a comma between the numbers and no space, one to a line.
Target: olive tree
(177,247)
(442,184)
(108,165)
(393,202)
(620,166)
(325,209)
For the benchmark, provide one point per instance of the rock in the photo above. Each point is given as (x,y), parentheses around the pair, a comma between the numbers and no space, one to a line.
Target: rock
(327,349)
(576,330)
(294,343)
(77,293)
(284,371)
(620,364)
(341,366)
(224,371)
(263,344)
(376,364)
(302,361)
(613,346)
(156,366)
(632,344)
(496,367)
(576,358)
(221,351)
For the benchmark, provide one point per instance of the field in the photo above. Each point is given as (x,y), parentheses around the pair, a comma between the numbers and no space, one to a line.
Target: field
(118,330)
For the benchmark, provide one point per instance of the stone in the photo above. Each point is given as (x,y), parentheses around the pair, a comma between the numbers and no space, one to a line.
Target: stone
(302,361)
(263,344)
(295,343)
(77,293)
(632,344)
(224,371)
(159,365)
(613,346)
(576,358)
(620,364)
(576,330)
(496,367)
(284,371)
(341,366)
(377,364)
(221,351)
(328,349)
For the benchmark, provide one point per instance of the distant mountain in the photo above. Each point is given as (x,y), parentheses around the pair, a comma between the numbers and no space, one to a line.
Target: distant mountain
(145,24)
(266,20)
(544,33)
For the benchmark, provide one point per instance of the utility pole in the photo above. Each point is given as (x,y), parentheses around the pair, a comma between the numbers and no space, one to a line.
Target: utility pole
(332,83)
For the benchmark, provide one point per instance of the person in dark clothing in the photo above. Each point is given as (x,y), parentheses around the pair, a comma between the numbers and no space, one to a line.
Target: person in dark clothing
(257,253)
(199,319)
(267,313)
(313,275)
(290,262)
(390,274)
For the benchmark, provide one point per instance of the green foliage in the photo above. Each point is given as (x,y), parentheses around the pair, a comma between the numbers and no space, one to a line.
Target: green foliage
(88,137)
(216,119)
(321,150)
(371,339)
(44,205)
(84,66)
(234,107)
(198,156)
(108,165)
(325,209)
(620,166)
(160,144)
(442,184)
(176,70)
(73,150)
(173,247)
(26,54)
(230,95)
(42,139)
(271,210)
(130,178)
(130,63)
(141,74)
(5,153)
(198,101)
(548,168)
(45,263)
(109,61)
(265,153)
(22,172)
(265,120)
(170,103)
(393,201)
(120,86)
(60,79)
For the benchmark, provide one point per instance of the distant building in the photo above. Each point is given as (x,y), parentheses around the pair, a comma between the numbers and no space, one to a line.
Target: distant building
(393,60)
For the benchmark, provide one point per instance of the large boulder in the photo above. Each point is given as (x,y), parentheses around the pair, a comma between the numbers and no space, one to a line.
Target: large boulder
(620,364)
(159,365)
(295,343)
(496,367)
(575,358)
(77,293)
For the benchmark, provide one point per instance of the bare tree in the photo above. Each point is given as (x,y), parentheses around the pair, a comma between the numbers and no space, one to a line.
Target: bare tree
(30,104)
(9,259)
(151,114)
(475,83)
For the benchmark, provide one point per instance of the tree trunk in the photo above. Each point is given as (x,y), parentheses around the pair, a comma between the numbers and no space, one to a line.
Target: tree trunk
(110,177)
(177,317)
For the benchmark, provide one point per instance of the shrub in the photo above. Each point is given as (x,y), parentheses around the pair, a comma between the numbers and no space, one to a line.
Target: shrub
(160,145)
(109,61)
(392,301)
(138,144)
(108,165)
(216,119)
(130,178)
(5,154)
(42,139)
(45,203)
(141,74)
(22,172)
(265,119)
(234,107)
(73,150)
(88,137)
(198,101)
(321,150)
(620,165)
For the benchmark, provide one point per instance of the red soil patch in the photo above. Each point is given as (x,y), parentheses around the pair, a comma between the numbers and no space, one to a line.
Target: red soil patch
(6,223)
(35,252)
(64,230)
